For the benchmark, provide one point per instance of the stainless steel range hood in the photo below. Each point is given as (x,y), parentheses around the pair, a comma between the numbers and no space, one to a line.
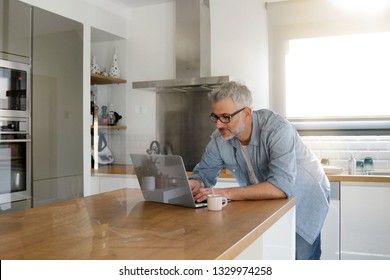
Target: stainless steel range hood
(192,42)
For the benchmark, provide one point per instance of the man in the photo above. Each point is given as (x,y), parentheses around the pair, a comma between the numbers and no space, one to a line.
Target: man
(268,159)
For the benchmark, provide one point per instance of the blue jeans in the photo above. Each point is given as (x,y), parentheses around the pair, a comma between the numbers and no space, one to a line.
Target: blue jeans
(306,251)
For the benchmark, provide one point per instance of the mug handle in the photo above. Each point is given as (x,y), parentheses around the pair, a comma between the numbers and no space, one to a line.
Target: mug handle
(224,201)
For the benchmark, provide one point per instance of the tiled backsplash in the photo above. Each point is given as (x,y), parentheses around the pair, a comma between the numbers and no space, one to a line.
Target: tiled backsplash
(338,149)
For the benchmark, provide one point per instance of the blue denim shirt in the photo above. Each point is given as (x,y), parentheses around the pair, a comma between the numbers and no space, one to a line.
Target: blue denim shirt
(278,156)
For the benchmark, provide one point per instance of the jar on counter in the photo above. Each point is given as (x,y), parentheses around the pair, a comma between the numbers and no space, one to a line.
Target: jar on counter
(368,165)
(359,167)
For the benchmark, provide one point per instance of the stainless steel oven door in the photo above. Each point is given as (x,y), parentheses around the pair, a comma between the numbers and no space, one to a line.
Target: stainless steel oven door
(15,166)
(14,89)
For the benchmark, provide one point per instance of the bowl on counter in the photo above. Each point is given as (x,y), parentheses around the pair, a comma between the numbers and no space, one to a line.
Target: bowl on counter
(332,170)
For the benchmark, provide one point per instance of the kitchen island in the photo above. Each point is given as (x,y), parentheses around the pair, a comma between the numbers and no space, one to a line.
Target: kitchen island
(121,225)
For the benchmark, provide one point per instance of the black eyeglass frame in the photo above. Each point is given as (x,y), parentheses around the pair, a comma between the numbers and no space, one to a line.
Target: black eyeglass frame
(214,118)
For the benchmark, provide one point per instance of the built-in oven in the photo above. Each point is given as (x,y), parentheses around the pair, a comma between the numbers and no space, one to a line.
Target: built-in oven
(14,89)
(15,160)
(15,136)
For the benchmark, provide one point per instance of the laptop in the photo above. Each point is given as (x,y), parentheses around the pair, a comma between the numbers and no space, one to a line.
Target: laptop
(163,179)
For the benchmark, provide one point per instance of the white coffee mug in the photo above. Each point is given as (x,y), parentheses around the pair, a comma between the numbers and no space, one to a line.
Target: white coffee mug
(216,202)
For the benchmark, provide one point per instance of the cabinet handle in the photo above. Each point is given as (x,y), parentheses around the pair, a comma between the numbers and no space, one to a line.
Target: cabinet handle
(15,141)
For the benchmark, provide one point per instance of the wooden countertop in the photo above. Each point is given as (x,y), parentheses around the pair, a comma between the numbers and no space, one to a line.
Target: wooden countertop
(121,225)
(125,169)
(359,178)
(122,169)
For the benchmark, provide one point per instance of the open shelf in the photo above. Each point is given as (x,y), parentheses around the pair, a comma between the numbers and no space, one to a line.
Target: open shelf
(105,80)
(110,127)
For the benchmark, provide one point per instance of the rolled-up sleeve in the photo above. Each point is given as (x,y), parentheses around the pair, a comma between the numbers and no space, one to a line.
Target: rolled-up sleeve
(282,167)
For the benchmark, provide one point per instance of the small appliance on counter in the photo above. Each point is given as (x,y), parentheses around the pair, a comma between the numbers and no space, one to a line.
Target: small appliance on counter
(114,120)
(104,154)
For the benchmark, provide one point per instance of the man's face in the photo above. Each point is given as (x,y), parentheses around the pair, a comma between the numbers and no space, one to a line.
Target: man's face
(227,107)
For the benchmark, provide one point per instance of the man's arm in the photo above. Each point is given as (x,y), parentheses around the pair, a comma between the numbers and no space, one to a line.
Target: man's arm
(264,190)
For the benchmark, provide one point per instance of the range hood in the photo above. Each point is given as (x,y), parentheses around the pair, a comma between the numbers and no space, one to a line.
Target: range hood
(192,49)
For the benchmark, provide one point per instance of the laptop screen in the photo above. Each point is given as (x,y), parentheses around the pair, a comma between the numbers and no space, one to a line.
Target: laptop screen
(163,178)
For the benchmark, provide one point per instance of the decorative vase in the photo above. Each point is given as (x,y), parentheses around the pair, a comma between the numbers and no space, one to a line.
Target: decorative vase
(95,69)
(114,69)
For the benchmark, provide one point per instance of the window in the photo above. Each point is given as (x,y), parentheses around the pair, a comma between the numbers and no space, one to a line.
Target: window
(330,66)
(338,76)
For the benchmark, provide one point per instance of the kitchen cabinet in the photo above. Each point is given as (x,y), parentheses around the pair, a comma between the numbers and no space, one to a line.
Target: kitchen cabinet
(106,183)
(365,226)
(15,31)
(57,108)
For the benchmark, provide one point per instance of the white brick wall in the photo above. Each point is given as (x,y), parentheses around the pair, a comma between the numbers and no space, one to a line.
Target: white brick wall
(339,148)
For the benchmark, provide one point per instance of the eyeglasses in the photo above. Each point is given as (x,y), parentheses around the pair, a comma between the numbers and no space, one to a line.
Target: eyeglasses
(224,118)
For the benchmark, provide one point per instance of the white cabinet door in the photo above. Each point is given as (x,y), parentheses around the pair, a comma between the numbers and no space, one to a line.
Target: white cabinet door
(108,183)
(330,234)
(365,220)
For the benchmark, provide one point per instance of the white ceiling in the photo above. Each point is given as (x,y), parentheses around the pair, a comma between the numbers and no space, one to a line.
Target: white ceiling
(138,3)
(122,7)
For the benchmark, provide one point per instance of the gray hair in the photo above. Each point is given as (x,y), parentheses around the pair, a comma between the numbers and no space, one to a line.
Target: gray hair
(240,94)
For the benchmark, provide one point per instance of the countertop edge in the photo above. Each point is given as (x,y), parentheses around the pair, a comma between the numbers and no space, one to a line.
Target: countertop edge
(359,178)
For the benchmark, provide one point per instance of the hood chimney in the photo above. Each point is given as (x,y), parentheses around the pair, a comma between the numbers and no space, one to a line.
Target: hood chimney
(192,49)
(192,38)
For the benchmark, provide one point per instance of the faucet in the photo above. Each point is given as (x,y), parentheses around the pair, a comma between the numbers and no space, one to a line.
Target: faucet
(154,148)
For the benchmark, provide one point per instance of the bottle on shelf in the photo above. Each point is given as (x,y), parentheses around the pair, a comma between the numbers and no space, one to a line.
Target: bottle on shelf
(92,108)
(111,115)
(104,116)
(352,165)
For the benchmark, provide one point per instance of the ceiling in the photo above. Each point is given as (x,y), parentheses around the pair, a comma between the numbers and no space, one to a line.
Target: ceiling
(122,7)
(137,3)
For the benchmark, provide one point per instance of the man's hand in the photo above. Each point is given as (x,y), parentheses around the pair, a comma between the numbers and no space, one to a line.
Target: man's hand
(199,191)
(195,186)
